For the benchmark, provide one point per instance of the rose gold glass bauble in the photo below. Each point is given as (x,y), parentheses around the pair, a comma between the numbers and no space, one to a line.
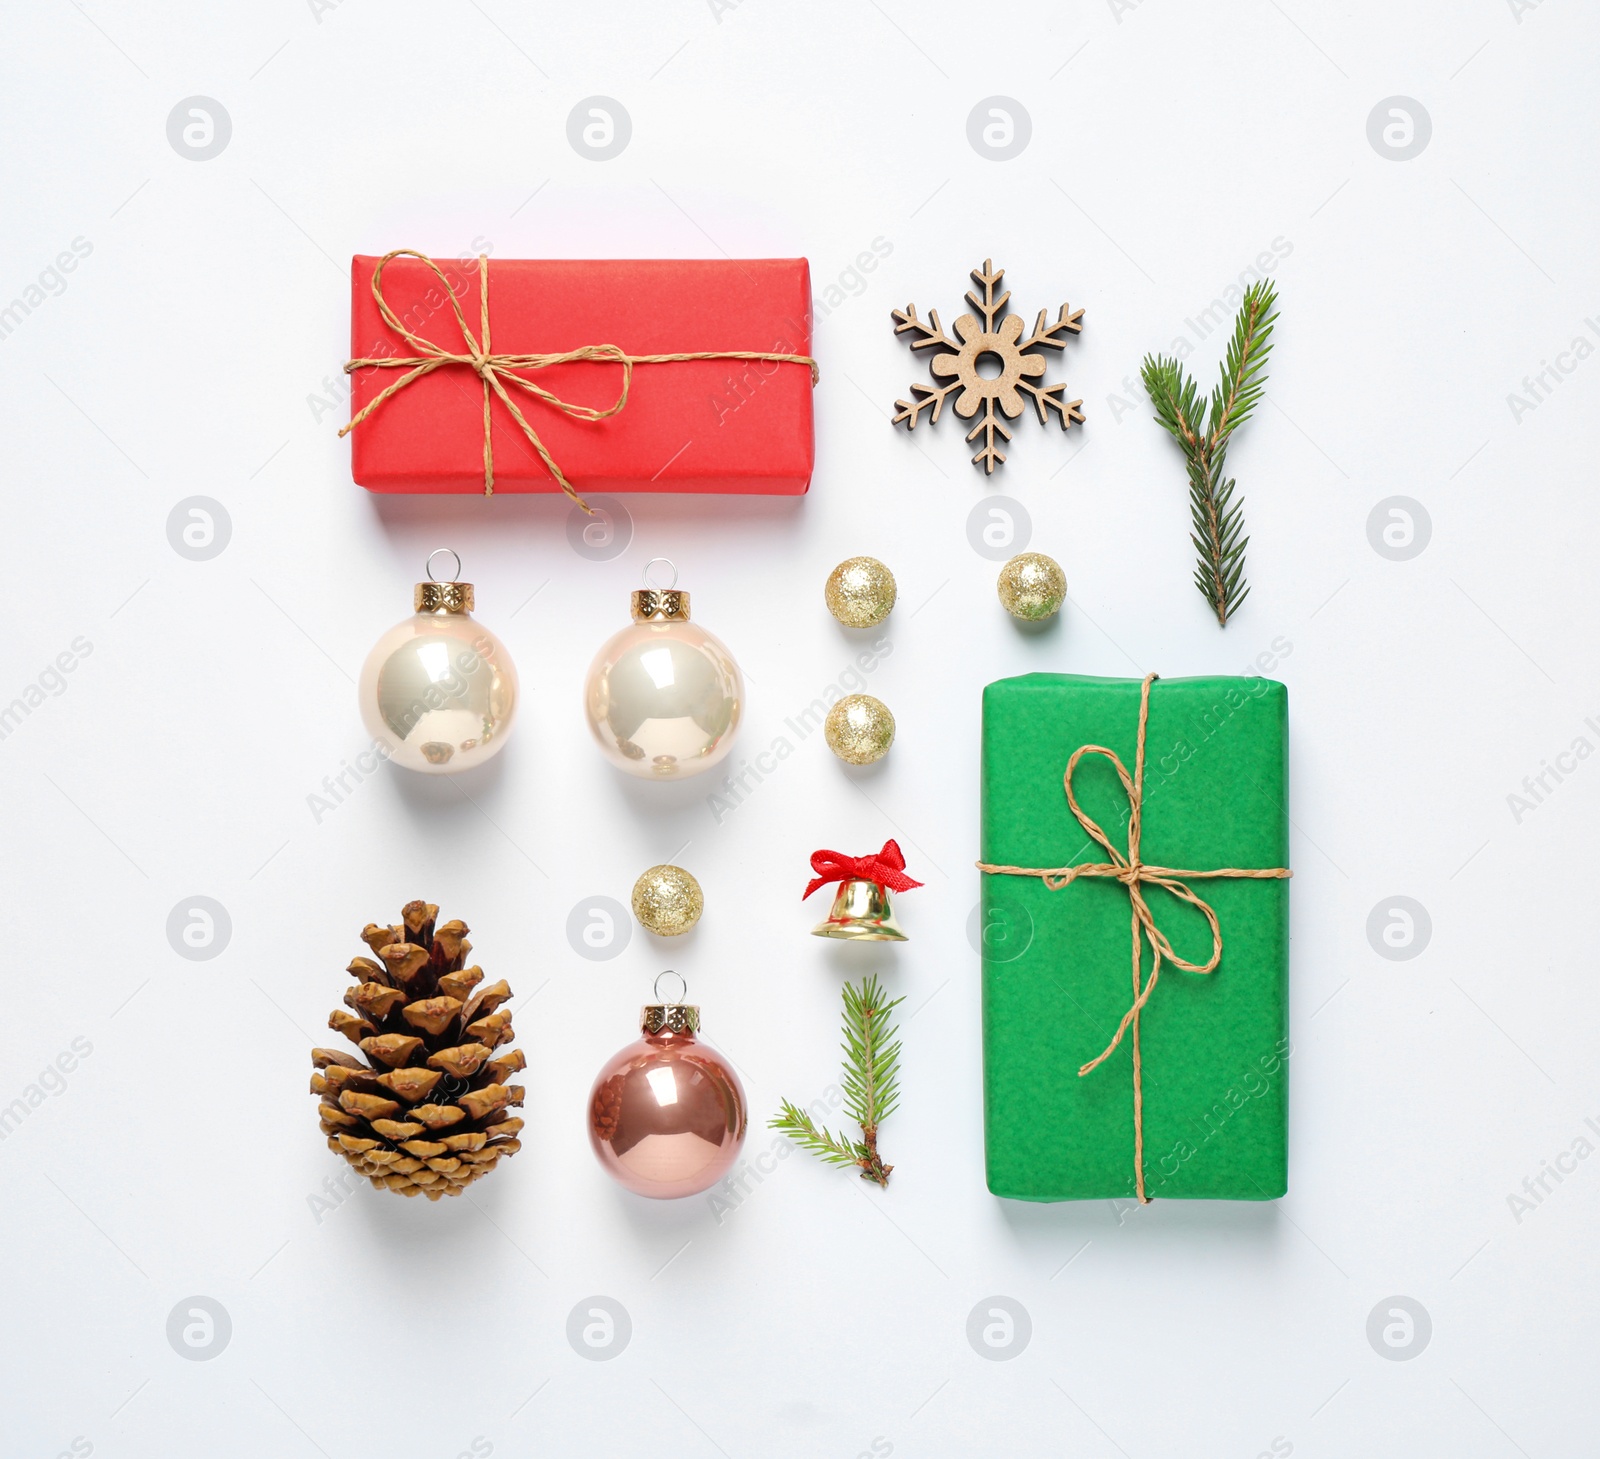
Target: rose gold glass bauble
(663,697)
(667,1114)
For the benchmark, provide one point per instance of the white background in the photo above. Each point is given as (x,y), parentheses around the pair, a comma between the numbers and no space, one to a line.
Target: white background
(1170,145)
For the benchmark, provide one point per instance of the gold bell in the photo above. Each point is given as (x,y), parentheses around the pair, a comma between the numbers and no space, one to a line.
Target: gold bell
(862,912)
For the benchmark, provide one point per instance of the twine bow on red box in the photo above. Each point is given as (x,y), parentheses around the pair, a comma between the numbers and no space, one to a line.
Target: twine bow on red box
(887,868)
(498,370)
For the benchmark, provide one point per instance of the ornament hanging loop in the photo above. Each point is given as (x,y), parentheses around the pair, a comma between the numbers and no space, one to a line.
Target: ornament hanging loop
(669,1016)
(653,603)
(683,986)
(660,587)
(455,576)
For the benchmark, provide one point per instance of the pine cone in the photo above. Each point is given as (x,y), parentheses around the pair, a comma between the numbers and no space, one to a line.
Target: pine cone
(430,1109)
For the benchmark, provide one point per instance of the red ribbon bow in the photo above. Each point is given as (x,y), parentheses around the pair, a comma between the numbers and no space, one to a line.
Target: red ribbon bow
(887,868)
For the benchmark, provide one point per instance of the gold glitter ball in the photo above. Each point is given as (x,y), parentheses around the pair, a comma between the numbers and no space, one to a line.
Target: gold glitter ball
(667,901)
(860,592)
(859,729)
(1032,586)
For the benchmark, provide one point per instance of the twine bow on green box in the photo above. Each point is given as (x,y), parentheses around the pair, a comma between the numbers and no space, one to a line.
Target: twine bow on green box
(1135,874)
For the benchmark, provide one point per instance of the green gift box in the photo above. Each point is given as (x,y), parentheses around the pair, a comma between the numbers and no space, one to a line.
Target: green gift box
(1192,1102)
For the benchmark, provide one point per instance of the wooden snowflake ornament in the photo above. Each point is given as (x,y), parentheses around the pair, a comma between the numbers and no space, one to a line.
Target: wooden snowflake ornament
(997,338)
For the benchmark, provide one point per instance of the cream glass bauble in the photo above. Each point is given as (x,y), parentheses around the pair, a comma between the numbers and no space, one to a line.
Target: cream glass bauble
(663,696)
(438,690)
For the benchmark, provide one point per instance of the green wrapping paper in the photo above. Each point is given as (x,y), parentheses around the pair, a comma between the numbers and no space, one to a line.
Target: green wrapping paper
(1057,966)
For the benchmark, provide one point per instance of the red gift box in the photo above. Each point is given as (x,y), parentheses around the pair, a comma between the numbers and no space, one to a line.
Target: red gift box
(685,425)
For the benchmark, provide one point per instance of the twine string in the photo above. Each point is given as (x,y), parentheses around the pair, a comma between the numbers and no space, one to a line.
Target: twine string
(497,371)
(1135,874)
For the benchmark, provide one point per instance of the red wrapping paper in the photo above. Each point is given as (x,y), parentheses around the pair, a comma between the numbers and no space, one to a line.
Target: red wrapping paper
(740,426)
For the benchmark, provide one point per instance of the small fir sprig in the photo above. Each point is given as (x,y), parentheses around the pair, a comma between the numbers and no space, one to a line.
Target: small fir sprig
(871,1085)
(1218,519)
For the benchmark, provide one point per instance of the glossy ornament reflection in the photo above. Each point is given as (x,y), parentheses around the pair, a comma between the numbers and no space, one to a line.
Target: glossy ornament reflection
(663,696)
(438,690)
(667,1113)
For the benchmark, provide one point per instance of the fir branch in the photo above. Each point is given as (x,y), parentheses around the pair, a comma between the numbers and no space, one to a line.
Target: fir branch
(1217,520)
(872,1054)
(804,1131)
(871,1085)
